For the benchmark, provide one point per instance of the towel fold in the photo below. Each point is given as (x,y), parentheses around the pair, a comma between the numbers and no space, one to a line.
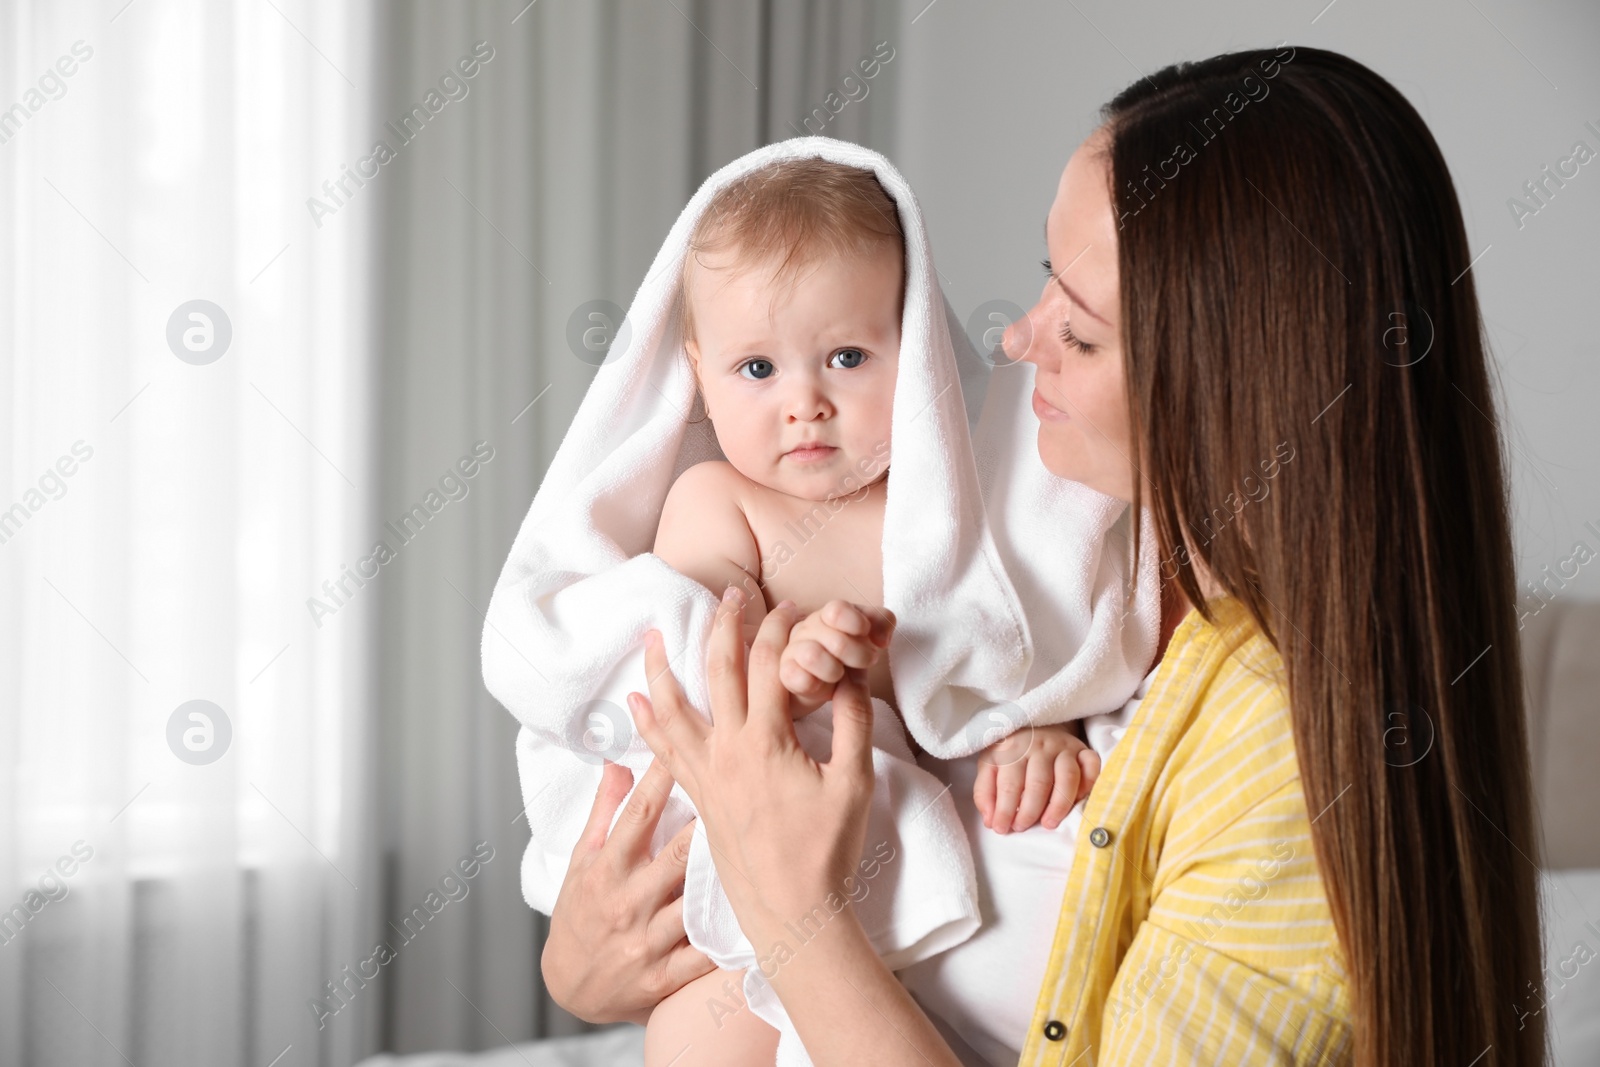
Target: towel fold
(1011,587)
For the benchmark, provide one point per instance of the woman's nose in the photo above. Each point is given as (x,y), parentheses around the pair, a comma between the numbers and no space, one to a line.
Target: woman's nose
(1018,339)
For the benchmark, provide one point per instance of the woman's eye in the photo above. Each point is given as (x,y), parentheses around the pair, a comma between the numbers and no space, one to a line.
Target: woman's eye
(757,369)
(1071,340)
(848,358)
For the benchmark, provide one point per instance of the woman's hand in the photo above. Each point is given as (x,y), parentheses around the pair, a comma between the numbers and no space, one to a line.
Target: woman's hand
(785,831)
(616,945)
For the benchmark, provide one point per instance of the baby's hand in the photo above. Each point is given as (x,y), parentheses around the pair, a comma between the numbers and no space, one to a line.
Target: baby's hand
(1039,769)
(824,643)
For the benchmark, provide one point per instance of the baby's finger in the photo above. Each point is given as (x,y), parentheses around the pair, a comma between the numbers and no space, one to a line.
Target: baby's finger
(802,685)
(816,660)
(1089,765)
(1064,791)
(876,625)
(1037,777)
(1007,795)
(851,650)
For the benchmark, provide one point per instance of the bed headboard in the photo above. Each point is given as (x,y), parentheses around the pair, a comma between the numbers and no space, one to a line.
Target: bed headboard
(1561,665)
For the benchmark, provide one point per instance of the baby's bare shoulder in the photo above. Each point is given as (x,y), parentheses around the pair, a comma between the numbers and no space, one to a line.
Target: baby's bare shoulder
(708,478)
(704,515)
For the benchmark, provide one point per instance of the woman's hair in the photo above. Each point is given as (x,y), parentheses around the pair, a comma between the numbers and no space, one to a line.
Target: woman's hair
(804,209)
(1296,298)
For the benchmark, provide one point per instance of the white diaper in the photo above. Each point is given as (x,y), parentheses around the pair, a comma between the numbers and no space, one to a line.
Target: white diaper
(984,989)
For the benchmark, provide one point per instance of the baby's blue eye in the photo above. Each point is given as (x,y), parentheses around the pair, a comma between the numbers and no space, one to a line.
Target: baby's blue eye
(850,357)
(758,368)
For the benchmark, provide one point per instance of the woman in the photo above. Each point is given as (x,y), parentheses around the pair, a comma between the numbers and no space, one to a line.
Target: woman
(1263,331)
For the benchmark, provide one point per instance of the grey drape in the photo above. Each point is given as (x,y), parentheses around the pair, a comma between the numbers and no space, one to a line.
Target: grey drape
(550,184)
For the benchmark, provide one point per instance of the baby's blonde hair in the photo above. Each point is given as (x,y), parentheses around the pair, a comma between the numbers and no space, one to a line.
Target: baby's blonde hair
(806,209)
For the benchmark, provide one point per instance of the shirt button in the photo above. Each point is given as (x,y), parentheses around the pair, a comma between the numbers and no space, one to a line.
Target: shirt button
(1099,837)
(1054,1030)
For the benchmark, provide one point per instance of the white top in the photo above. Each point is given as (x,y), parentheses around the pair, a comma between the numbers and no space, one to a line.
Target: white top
(981,993)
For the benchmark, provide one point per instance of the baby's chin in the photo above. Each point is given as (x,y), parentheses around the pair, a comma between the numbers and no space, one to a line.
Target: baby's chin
(837,479)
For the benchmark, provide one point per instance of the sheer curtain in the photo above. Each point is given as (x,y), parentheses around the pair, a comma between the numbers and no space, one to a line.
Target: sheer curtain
(185,459)
(240,747)
(546,189)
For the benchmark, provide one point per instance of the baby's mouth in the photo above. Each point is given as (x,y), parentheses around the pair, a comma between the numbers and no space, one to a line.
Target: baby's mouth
(811,453)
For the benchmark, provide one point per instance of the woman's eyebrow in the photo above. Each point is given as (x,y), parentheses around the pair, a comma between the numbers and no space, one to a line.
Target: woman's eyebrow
(1062,282)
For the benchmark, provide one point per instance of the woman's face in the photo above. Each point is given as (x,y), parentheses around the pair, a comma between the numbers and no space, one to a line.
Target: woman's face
(1072,334)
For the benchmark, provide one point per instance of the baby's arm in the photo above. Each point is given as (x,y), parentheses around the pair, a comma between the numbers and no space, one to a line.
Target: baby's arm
(703,535)
(1036,771)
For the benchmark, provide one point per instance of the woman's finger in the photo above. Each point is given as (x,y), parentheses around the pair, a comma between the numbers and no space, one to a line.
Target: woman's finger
(615,781)
(725,661)
(671,727)
(852,726)
(684,965)
(665,930)
(769,700)
(634,829)
(661,879)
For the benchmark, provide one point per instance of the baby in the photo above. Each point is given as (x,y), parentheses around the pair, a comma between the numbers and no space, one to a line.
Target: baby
(791,304)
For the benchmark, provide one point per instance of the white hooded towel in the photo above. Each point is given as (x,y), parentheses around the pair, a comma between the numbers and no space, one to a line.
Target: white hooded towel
(1011,587)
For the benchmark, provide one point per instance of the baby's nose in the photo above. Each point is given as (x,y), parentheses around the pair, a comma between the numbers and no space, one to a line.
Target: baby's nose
(809,401)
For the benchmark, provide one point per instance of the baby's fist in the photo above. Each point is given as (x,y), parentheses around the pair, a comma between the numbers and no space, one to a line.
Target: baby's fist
(824,643)
(1033,776)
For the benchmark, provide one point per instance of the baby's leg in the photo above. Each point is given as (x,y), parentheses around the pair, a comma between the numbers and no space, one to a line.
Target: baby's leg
(708,1024)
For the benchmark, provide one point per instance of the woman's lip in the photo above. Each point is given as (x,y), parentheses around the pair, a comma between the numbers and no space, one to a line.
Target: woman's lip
(1044,410)
(810,454)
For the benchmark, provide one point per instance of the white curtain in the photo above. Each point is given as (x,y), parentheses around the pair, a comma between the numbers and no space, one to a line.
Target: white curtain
(239,347)
(548,187)
(177,480)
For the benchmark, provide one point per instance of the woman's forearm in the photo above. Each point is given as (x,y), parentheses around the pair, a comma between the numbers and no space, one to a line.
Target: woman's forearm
(846,1005)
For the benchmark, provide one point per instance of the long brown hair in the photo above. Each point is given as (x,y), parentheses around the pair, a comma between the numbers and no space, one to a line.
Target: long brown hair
(1295,282)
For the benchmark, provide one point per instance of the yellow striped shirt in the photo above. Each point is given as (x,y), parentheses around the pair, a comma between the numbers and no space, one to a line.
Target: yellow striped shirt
(1195,928)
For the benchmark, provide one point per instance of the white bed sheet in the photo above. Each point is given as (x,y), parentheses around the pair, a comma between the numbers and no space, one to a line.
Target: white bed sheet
(1572,1000)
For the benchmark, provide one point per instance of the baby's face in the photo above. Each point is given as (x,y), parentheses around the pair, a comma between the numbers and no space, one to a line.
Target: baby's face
(802,400)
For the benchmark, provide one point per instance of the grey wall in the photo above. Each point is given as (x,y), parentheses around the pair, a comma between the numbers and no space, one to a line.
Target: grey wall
(995,97)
